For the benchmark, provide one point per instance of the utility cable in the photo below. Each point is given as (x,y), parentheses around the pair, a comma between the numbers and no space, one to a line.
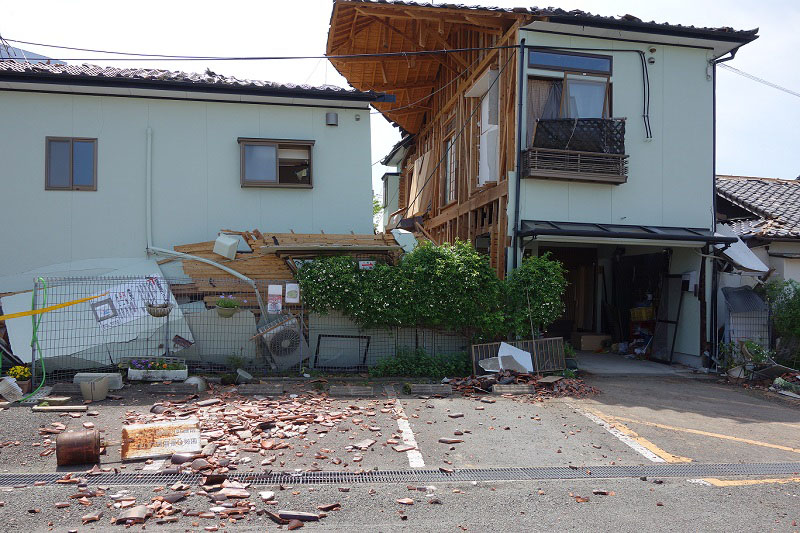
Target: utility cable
(135,56)
(412,104)
(457,135)
(757,79)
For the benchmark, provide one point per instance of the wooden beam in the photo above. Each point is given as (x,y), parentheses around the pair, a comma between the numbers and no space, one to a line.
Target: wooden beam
(480,199)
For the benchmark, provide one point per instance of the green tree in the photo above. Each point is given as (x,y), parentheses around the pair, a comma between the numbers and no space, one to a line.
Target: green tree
(534,292)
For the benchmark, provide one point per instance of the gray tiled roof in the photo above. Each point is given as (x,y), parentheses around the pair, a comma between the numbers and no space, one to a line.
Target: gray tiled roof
(186,81)
(576,16)
(775,205)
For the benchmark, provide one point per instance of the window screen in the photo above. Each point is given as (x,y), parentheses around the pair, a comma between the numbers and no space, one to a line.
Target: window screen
(585,99)
(70,164)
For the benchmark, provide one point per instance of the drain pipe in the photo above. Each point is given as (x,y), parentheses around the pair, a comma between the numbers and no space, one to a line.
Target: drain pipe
(172,253)
(518,185)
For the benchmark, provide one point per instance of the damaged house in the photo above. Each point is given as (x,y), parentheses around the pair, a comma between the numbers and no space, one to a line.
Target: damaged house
(103,165)
(549,131)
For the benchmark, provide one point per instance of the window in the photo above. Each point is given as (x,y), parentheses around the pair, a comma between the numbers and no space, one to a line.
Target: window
(70,164)
(569,61)
(275,163)
(585,99)
(449,166)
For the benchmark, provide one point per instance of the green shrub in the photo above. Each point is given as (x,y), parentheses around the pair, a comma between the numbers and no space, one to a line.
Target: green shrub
(784,302)
(417,363)
(448,286)
(534,295)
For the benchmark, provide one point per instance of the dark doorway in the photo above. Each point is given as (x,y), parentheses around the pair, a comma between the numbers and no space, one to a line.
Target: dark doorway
(579,297)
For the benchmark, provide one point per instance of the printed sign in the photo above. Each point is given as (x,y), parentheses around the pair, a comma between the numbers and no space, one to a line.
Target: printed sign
(274,299)
(128,301)
(366,265)
(292,293)
(160,439)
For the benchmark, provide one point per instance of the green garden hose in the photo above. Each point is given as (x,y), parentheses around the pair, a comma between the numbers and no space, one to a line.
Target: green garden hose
(35,321)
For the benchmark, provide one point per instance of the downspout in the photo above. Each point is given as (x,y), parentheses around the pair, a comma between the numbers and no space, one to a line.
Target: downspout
(520,83)
(714,265)
(180,255)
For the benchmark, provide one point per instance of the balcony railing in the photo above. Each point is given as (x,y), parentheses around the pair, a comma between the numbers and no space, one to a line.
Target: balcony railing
(589,149)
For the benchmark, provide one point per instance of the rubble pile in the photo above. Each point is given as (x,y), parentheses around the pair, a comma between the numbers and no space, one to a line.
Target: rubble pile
(484,384)
(233,427)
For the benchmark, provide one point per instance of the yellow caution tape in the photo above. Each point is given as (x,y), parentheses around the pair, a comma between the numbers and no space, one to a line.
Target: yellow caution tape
(49,308)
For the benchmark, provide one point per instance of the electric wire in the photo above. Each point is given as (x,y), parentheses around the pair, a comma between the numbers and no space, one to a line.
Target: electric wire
(412,104)
(457,135)
(758,80)
(135,56)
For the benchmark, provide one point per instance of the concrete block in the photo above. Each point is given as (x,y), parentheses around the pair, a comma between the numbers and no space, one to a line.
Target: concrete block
(114,378)
(352,391)
(431,389)
(263,389)
(513,389)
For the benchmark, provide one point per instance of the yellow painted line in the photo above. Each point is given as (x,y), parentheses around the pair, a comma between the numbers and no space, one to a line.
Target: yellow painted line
(49,308)
(663,454)
(709,434)
(746,482)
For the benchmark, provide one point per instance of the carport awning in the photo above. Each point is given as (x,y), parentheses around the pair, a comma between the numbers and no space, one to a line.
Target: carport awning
(590,232)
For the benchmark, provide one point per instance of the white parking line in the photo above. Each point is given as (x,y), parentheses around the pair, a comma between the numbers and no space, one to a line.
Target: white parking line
(621,436)
(414,456)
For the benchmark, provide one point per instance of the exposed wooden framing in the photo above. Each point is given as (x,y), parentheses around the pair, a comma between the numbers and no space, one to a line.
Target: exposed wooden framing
(478,209)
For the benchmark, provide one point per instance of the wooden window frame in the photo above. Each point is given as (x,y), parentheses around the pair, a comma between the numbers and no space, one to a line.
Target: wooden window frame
(277,143)
(71,186)
(449,183)
(539,66)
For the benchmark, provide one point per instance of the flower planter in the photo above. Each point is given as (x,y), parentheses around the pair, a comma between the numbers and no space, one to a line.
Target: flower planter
(25,386)
(157,375)
(226,312)
(159,310)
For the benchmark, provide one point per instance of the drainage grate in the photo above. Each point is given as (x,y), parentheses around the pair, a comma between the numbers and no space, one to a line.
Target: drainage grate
(682,470)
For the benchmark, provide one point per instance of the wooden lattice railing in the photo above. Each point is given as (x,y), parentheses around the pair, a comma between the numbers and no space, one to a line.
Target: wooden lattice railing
(584,149)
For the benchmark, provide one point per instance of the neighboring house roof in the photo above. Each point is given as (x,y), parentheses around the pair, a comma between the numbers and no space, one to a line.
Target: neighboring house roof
(146,78)
(581,18)
(774,203)
(18,54)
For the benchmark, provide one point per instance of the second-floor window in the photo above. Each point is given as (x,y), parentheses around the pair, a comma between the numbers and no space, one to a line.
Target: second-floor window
(275,163)
(449,172)
(583,90)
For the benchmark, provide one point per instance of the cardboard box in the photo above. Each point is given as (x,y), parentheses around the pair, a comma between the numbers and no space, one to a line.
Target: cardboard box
(589,342)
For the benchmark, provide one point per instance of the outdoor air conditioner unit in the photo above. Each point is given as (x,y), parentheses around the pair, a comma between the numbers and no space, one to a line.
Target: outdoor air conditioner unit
(284,341)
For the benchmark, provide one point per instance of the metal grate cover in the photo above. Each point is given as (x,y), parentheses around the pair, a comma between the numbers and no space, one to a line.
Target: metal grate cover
(682,470)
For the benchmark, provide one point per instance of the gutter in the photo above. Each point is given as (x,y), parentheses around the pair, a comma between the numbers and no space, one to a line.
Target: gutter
(172,253)
(277,92)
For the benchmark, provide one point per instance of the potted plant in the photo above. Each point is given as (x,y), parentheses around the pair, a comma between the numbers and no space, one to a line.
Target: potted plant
(23,376)
(156,369)
(227,306)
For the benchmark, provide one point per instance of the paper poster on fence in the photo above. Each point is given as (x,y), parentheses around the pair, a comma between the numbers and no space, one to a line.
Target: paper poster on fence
(292,293)
(275,299)
(128,301)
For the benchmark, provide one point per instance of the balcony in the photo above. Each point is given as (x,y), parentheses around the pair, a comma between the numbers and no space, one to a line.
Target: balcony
(584,149)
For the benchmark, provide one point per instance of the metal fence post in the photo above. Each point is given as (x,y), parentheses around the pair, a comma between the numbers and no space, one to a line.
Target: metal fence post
(34,352)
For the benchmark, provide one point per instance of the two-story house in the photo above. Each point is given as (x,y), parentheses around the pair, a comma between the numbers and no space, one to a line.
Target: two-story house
(100,164)
(542,130)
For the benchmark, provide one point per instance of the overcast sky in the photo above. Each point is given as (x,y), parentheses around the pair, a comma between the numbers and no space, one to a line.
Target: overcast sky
(757,126)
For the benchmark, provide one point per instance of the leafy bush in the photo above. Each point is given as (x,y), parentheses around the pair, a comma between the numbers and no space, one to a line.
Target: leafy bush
(534,294)
(417,363)
(784,301)
(451,286)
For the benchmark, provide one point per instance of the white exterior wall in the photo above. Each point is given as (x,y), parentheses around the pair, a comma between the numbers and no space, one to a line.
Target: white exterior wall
(196,186)
(670,177)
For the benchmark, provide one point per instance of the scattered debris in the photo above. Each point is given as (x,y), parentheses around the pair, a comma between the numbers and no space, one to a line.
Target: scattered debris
(405,501)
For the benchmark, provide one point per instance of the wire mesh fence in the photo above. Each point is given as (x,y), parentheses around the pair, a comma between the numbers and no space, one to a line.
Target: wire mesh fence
(213,325)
